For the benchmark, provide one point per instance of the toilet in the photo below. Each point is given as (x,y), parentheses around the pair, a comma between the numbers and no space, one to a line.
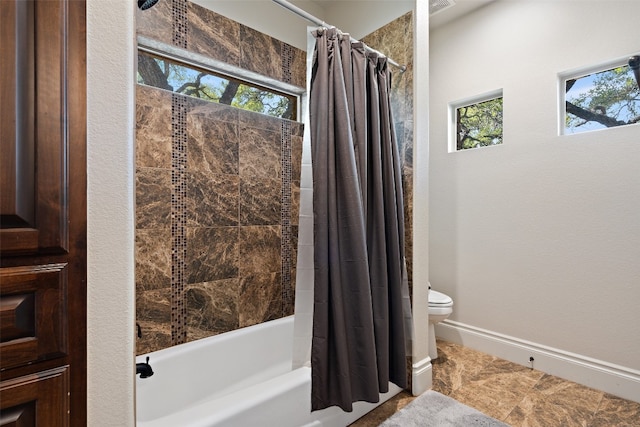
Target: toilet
(440,307)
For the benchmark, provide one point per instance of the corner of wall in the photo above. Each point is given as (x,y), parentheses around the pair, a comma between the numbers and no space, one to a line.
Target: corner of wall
(422,363)
(110,210)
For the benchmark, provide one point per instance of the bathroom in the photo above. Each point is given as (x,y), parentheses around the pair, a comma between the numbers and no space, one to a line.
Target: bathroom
(111,31)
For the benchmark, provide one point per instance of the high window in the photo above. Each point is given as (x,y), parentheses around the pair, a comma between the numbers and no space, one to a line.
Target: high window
(205,84)
(601,98)
(477,123)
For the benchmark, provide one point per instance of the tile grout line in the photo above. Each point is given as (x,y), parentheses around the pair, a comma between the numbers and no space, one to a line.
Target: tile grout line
(524,396)
(595,413)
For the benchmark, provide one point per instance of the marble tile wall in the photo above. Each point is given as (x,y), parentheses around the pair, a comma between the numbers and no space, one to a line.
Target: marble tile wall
(200,30)
(216,190)
(153,217)
(216,229)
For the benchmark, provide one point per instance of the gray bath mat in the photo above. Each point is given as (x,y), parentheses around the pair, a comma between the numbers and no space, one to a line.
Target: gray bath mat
(432,409)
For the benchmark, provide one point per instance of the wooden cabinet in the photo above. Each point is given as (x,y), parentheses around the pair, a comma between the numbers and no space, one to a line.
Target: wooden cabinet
(43,213)
(46,391)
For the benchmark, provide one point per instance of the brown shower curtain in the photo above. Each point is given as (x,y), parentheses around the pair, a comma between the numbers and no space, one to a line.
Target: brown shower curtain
(359,335)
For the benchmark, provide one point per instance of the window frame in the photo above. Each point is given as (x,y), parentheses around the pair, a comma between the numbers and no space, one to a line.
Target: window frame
(226,71)
(578,73)
(466,102)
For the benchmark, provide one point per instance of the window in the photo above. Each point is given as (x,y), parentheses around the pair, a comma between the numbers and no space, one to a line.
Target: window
(601,99)
(478,123)
(199,83)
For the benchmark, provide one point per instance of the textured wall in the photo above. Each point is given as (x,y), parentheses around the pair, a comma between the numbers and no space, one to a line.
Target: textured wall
(538,237)
(216,190)
(110,225)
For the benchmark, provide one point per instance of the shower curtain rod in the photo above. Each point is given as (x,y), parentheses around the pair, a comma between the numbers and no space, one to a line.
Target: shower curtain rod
(319,22)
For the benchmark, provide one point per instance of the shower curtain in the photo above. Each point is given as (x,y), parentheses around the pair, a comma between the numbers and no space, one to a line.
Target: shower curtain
(361,292)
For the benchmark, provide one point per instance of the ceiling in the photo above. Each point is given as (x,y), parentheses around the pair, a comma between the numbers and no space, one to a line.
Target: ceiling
(358,17)
(443,15)
(448,14)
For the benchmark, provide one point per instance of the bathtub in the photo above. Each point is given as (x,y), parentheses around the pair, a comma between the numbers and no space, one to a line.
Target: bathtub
(241,378)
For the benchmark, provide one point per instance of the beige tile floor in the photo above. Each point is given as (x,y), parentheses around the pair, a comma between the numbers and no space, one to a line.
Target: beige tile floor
(514,394)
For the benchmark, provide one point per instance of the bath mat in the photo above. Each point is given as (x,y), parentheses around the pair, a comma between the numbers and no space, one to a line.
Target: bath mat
(433,409)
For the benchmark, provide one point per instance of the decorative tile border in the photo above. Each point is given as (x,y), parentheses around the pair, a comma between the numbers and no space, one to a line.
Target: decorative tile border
(178,218)
(180,22)
(286,249)
(286,55)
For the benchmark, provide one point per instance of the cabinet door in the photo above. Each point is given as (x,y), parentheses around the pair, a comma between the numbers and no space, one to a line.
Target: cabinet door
(36,400)
(33,197)
(32,309)
(43,211)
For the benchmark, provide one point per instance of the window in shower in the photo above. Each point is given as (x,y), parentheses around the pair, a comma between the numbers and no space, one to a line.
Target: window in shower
(476,122)
(189,80)
(600,98)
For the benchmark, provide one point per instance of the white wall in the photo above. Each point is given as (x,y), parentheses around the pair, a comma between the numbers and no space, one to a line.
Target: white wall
(362,17)
(538,238)
(422,374)
(110,234)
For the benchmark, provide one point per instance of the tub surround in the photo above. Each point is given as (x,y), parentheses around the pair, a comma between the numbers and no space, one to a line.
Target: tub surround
(111,395)
(216,247)
(216,189)
(215,244)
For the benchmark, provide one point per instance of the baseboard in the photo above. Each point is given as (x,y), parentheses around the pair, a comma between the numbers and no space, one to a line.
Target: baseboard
(421,376)
(597,374)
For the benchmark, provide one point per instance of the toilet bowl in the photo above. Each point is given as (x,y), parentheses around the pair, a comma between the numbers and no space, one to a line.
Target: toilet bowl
(440,307)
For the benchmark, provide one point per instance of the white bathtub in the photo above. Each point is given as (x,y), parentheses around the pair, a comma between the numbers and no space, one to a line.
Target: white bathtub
(241,378)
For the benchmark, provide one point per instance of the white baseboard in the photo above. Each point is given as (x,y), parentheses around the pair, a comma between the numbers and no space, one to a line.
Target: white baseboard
(617,380)
(421,376)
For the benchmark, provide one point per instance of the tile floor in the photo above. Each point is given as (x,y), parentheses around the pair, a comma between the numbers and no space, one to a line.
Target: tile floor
(514,394)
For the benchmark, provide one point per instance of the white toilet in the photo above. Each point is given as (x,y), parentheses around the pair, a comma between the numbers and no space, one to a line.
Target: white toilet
(440,307)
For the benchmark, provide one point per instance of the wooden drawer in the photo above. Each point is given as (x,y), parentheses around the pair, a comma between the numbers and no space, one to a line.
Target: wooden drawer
(32,307)
(40,399)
